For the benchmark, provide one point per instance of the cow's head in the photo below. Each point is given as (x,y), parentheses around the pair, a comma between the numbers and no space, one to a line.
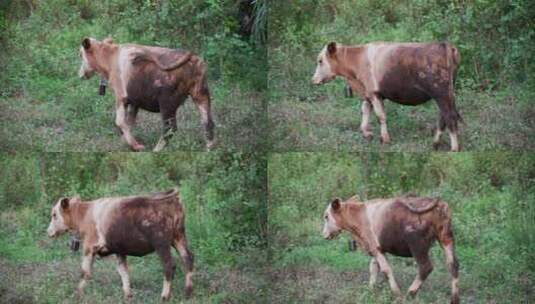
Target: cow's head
(324,69)
(61,219)
(89,51)
(331,217)
(87,54)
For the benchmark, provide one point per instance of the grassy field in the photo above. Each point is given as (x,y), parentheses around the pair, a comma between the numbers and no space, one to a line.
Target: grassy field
(329,121)
(50,274)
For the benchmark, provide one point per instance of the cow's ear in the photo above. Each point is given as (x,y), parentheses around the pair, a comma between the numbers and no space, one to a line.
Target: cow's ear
(64,203)
(335,204)
(86,43)
(331,48)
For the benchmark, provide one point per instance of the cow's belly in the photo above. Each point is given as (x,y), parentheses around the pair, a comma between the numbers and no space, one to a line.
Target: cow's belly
(409,97)
(132,244)
(147,103)
(395,245)
(405,85)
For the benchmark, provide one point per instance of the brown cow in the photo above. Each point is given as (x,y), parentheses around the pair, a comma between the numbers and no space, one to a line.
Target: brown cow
(404,226)
(151,78)
(406,73)
(134,225)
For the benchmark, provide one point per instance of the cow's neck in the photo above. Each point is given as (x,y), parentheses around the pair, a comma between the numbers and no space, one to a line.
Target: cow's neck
(348,66)
(105,58)
(78,212)
(359,229)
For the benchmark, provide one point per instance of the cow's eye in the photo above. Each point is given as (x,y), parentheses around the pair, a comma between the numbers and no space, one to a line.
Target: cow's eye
(325,217)
(54,215)
(320,61)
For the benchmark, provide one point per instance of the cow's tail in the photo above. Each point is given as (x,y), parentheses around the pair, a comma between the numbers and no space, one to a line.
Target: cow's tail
(423,208)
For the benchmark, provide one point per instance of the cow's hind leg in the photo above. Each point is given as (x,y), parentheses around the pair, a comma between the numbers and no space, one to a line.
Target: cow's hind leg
(122,122)
(168,112)
(450,118)
(201,97)
(169,267)
(425,267)
(379,109)
(122,269)
(181,245)
(447,242)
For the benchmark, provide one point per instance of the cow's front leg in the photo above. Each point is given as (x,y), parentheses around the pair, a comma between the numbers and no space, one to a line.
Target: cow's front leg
(385,268)
(122,269)
(365,124)
(380,113)
(122,122)
(87,265)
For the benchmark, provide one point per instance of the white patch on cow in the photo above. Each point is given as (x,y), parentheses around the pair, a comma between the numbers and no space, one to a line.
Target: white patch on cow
(125,67)
(101,213)
(145,223)
(374,214)
(421,74)
(371,52)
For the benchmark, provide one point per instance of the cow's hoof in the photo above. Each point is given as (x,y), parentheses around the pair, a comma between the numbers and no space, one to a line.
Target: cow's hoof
(385,140)
(128,296)
(165,298)
(411,293)
(138,147)
(210,145)
(188,292)
(436,146)
(367,136)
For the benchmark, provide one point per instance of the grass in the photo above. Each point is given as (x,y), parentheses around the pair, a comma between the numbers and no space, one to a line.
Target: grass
(55,282)
(77,120)
(327,121)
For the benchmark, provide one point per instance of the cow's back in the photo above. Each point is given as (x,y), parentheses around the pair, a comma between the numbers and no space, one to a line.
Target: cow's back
(139,225)
(410,73)
(396,227)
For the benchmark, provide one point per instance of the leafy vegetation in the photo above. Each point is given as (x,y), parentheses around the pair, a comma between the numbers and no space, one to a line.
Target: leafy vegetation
(224,199)
(45,106)
(494,89)
(491,196)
